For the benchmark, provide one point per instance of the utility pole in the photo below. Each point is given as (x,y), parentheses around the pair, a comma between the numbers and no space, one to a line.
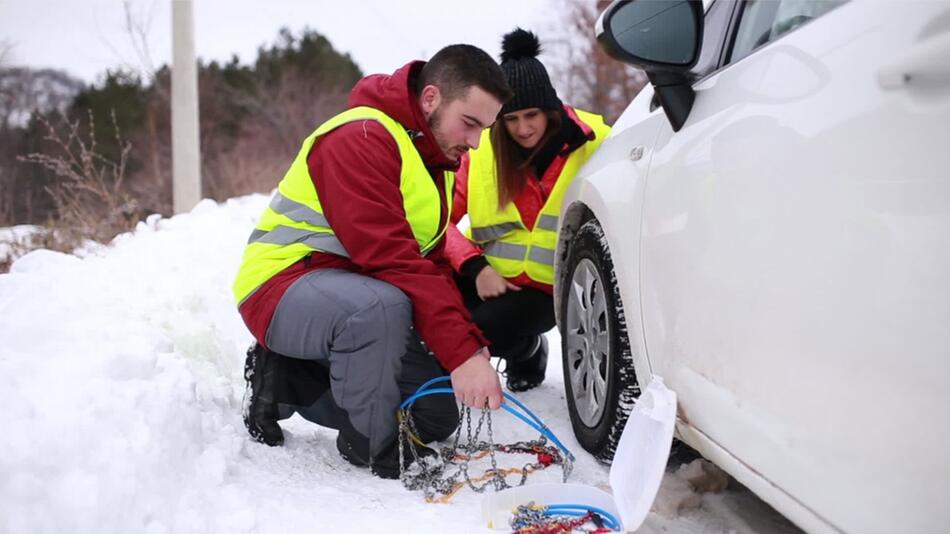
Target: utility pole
(186,150)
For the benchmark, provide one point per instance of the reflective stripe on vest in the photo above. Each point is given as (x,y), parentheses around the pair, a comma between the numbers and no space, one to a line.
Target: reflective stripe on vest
(511,251)
(547,222)
(288,235)
(293,225)
(490,233)
(297,211)
(510,248)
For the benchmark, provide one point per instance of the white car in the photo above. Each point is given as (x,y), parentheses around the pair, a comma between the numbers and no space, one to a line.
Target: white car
(768,228)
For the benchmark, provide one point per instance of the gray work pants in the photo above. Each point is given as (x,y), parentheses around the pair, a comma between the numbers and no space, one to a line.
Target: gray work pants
(361,329)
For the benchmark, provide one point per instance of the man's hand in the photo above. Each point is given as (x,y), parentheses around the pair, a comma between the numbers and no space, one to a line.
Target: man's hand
(490,284)
(476,381)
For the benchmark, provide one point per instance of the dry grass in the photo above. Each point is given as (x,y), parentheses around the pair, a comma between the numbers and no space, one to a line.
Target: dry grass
(90,200)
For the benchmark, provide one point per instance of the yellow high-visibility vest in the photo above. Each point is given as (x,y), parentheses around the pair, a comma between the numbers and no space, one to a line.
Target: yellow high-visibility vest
(293,225)
(510,248)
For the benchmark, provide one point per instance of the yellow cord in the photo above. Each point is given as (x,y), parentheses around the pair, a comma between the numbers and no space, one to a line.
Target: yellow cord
(400,416)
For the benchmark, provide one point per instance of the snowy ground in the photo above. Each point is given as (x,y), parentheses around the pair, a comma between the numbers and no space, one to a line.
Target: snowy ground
(13,238)
(120,382)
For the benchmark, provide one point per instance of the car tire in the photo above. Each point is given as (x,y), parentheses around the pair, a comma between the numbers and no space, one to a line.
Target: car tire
(599,378)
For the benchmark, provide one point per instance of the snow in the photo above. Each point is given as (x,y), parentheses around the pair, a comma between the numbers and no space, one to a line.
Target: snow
(13,238)
(121,386)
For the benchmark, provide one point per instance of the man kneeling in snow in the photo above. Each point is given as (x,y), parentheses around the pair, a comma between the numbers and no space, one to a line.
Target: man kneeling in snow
(344,277)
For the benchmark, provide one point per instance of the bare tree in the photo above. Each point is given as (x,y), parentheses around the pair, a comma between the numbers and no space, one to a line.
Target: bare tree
(89,197)
(138,23)
(587,77)
(24,92)
(280,115)
(291,107)
(7,180)
(6,46)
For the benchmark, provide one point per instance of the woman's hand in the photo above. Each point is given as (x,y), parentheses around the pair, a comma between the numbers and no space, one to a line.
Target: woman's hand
(491,284)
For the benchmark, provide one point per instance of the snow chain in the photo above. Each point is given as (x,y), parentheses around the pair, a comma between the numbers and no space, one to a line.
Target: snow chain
(441,477)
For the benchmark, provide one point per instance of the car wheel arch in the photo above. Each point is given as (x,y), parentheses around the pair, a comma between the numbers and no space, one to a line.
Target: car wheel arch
(573,217)
(601,382)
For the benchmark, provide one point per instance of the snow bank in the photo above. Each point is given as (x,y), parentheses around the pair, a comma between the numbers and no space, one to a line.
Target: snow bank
(12,237)
(120,379)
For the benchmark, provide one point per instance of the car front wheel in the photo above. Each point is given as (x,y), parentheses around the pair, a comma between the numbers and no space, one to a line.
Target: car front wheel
(599,376)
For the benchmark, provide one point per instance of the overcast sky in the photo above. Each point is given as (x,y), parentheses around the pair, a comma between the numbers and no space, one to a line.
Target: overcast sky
(85,37)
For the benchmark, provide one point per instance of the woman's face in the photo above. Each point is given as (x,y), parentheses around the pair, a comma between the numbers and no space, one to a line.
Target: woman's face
(526,126)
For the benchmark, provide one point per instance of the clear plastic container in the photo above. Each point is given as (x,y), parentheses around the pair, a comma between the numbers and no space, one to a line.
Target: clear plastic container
(635,475)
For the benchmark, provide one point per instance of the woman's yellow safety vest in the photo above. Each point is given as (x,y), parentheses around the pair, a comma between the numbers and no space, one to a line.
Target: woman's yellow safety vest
(293,224)
(510,248)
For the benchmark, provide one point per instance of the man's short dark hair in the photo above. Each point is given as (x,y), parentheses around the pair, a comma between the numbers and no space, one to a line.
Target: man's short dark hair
(455,68)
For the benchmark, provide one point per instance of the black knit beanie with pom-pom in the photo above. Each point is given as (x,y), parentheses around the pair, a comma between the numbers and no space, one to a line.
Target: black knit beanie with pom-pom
(525,74)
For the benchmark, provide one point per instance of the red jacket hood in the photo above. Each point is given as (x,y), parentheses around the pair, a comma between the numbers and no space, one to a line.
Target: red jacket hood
(395,96)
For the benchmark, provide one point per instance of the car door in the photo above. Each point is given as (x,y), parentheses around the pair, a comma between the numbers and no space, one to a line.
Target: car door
(794,257)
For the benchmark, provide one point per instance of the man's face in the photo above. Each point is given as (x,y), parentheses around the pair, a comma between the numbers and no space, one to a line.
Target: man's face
(457,125)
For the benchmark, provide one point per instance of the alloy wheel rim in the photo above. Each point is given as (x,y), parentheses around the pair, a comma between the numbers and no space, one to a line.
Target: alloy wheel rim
(588,342)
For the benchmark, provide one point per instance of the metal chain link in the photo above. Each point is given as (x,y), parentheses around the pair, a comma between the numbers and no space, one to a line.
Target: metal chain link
(433,478)
(532,518)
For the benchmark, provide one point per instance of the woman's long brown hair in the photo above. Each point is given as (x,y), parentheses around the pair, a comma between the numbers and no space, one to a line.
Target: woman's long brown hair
(511,162)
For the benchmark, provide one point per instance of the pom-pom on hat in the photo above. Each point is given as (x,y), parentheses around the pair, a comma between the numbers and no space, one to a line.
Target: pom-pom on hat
(525,74)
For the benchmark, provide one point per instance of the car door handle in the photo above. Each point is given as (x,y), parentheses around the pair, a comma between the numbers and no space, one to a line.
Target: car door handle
(928,63)
(636,154)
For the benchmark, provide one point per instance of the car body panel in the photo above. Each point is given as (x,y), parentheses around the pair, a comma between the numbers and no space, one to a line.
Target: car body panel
(617,203)
(786,253)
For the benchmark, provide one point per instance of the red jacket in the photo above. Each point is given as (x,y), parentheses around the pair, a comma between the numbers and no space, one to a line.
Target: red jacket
(529,202)
(356,170)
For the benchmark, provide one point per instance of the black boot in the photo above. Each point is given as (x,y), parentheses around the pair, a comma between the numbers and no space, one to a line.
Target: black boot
(262,374)
(354,448)
(527,371)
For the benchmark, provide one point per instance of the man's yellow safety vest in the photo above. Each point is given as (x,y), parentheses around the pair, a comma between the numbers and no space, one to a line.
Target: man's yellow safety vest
(293,224)
(510,248)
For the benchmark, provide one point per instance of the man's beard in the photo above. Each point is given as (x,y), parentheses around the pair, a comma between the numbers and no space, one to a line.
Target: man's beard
(435,121)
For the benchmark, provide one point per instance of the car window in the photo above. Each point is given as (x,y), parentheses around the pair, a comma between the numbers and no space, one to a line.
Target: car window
(763,21)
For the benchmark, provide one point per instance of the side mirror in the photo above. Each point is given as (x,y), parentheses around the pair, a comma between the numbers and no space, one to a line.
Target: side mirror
(664,39)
